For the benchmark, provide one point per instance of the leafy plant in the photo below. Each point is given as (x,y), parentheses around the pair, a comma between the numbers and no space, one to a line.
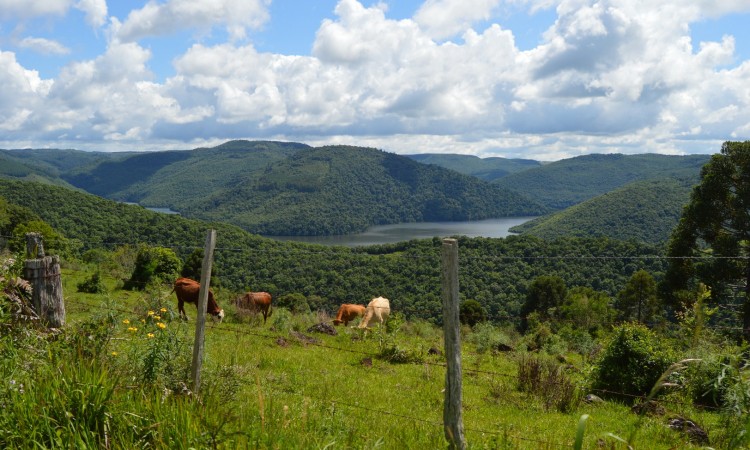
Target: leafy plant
(92,285)
(631,363)
(548,380)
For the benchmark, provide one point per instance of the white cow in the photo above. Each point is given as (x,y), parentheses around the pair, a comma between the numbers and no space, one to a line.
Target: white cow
(378,311)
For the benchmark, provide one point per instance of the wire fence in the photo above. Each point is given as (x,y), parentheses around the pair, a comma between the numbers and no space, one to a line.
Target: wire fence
(273,337)
(435,255)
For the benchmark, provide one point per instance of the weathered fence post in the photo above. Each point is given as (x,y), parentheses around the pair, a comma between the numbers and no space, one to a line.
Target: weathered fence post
(43,273)
(200,321)
(452,421)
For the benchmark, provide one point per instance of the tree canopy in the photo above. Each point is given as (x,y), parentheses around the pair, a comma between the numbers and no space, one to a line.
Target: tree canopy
(711,243)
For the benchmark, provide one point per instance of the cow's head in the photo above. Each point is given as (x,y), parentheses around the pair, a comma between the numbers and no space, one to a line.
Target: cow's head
(220,316)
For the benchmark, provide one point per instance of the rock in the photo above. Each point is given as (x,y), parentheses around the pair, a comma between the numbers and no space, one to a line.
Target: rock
(323,328)
(694,432)
(434,351)
(592,399)
(651,408)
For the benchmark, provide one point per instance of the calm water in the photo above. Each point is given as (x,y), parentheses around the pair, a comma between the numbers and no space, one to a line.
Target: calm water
(386,234)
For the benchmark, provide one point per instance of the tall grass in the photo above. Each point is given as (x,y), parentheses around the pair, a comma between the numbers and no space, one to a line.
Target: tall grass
(102,384)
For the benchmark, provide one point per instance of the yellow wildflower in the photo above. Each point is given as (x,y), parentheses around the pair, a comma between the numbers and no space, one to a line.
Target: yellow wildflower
(163,310)
(157,317)
(161,325)
(114,353)
(132,329)
(150,335)
(151,313)
(126,321)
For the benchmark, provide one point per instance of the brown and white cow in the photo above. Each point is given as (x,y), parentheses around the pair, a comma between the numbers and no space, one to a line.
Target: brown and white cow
(187,291)
(256,302)
(348,312)
(377,312)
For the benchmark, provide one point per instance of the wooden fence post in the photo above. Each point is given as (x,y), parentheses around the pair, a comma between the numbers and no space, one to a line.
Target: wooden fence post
(452,420)
(43,273)
(200,321)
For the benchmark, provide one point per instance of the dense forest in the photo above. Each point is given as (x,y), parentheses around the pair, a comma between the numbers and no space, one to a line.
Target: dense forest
(277,188)
(567,182)
(488,169)
(494,272)
(644,210)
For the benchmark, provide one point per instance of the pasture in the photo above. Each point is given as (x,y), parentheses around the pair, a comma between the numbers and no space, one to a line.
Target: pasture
(117,376)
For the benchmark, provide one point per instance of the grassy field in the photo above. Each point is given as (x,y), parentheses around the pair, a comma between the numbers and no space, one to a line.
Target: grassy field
(117,376)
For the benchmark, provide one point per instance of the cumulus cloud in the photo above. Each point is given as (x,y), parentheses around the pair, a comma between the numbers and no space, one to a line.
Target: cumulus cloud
(443,19)
(609,76)
(95,11)
(25,9)
(158,19)
(44,46)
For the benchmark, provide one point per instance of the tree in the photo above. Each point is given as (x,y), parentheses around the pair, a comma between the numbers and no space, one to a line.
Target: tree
(639,300)
(153,264)
(471,313)
(715,225)
(545,295)
(587,309)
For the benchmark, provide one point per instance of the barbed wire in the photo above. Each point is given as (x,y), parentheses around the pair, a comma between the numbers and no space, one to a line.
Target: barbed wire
(222,328)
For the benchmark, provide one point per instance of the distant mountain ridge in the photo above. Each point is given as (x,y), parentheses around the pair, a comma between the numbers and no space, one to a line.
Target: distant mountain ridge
(567,182)
(286,188)
(645,211)
(279,188)
(488,169)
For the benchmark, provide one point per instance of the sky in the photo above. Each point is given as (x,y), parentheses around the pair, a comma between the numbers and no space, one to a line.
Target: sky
(536,79)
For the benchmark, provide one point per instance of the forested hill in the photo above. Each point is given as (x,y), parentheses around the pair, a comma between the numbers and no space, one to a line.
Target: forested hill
(564,183)
(495,272)
(343,189)
(487,169)
(280,188)
(644,211)
(175,179)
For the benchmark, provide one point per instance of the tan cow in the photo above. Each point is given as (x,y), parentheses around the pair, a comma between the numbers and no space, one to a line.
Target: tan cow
(187,291)
(347,313)
(256,302)
(377,312)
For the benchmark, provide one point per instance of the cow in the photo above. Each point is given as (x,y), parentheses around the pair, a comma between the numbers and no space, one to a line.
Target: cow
(256,302)
(378,311)
(187,291)
(347,313)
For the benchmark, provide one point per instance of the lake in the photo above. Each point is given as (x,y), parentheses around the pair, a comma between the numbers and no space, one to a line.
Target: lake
(387,234)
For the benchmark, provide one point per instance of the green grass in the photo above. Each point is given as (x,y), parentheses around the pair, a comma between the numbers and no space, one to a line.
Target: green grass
(104,383)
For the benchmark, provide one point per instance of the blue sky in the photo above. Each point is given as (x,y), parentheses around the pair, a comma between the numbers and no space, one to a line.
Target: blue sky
(543,79)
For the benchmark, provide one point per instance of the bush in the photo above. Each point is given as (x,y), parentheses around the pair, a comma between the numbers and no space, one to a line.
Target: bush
(487,337)
(471,313)
(548,380)
(153,264)
(92,285)
(631,363)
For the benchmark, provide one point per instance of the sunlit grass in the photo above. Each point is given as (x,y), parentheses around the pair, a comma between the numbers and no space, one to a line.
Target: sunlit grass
(125,363)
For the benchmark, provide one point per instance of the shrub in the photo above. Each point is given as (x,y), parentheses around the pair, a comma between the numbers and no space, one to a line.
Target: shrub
(153,264)
(471,313)
(487,337)
(92,285)
(549,381)
(631,363)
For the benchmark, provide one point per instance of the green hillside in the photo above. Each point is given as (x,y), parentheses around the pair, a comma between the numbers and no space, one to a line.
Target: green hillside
(643,211)
(495,272)
(342,189)
(487,169)
(564,183)
(176,179)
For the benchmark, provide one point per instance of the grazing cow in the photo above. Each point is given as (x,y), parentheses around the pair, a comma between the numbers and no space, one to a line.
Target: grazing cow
(256,302)
(347,313)
(187,291)
(378,311)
